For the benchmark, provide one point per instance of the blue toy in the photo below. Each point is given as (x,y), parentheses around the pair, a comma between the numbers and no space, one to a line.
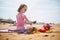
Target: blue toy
(34,22)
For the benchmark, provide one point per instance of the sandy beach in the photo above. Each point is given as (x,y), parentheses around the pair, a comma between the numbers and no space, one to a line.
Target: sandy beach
(40,36)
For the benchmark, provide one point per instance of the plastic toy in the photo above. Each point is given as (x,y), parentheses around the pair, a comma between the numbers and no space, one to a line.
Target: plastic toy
(48,31)
(34,22)
(42,30)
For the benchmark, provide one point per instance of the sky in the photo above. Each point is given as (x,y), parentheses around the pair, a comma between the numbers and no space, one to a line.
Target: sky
(47,11)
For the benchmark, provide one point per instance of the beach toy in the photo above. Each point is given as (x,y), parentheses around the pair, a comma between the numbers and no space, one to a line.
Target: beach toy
(48,31)
(35,31)
(31,30)
(34,22)
(42,30)
(48,25)
(46,28)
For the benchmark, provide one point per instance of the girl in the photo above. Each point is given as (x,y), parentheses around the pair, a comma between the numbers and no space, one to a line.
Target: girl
(21,17)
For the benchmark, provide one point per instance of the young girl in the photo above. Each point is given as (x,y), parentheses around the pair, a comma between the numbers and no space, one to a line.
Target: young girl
(20,17)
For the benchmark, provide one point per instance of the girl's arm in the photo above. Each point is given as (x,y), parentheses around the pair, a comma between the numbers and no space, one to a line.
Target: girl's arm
(27,21)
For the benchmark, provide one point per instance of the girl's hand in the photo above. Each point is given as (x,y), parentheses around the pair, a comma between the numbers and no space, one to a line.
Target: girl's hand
(28,22)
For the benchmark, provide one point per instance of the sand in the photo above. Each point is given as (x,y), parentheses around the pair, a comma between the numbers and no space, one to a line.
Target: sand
(40,36)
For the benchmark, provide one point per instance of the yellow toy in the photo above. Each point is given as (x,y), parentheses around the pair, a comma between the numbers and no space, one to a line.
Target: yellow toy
(48,31)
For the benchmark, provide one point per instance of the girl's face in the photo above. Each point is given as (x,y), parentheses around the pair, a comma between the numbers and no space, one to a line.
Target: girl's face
(23,9)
